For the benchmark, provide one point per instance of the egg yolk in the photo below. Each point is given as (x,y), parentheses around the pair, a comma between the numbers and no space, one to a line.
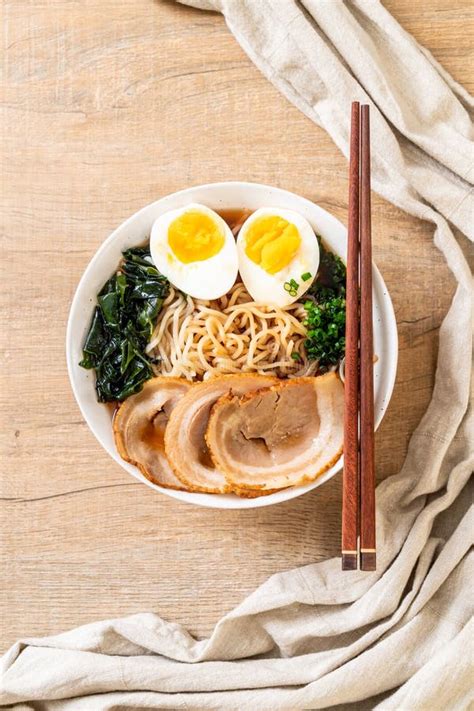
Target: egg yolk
(272,242)
(194,237)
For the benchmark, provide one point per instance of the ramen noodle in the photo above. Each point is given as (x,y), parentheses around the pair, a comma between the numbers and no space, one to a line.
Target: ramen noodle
(196,339)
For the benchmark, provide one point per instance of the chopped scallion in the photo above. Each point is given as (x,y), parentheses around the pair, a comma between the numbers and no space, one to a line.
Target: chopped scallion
(306,276)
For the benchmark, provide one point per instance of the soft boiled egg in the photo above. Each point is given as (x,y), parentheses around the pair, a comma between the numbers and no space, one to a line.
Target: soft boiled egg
(195,249)
(278,255)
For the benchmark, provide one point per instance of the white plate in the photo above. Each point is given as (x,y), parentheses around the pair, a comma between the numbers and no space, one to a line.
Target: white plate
(133,232)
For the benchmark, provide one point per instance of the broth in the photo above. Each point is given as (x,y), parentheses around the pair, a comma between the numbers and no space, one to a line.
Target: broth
(153,434)
(235,217)
(112,407)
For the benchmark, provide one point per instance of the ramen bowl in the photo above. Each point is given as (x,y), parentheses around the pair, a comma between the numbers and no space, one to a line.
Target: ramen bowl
(133,232)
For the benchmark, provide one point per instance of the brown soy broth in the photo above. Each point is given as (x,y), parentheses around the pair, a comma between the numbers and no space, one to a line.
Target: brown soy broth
(153,434)
(235,217)
(112,407)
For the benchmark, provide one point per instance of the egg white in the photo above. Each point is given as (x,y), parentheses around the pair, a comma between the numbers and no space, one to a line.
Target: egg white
(206,279)
(269,288)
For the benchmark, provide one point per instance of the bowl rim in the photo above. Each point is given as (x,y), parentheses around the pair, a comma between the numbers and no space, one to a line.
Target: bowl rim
(223,501)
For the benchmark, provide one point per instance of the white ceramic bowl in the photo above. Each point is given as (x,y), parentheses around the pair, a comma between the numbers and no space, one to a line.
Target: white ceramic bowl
(133,232)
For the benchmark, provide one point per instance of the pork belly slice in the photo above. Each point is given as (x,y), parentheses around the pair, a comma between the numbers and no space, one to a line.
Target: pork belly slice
(185,442)
(281,436)
(140,424)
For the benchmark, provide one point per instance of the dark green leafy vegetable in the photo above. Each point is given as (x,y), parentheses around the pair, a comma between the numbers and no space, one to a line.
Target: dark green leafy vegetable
(326,311)
(123,321)
(331,278)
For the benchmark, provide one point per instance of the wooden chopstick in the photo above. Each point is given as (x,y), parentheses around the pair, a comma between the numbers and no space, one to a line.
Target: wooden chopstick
(367,467)
(350,480)
(358,485)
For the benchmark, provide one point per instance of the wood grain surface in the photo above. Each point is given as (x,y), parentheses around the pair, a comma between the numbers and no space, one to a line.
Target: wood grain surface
(106,106)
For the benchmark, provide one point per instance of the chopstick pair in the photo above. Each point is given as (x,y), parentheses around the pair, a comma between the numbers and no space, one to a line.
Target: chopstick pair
(358,487)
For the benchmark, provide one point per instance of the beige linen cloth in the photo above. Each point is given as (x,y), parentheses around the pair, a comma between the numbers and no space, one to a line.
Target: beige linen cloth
(314,638)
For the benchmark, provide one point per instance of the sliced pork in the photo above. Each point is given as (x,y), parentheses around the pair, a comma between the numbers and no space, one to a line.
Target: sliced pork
(185,443)
(281,436)
(139,428)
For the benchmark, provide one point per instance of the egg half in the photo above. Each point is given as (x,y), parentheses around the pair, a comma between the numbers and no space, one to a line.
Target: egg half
(278,255)
(195,249)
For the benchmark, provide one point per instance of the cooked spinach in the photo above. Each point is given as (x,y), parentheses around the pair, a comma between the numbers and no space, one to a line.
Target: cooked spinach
(127,308)
(326,311)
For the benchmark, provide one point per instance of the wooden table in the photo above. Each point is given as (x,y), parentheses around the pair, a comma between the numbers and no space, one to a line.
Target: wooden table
(106,107)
